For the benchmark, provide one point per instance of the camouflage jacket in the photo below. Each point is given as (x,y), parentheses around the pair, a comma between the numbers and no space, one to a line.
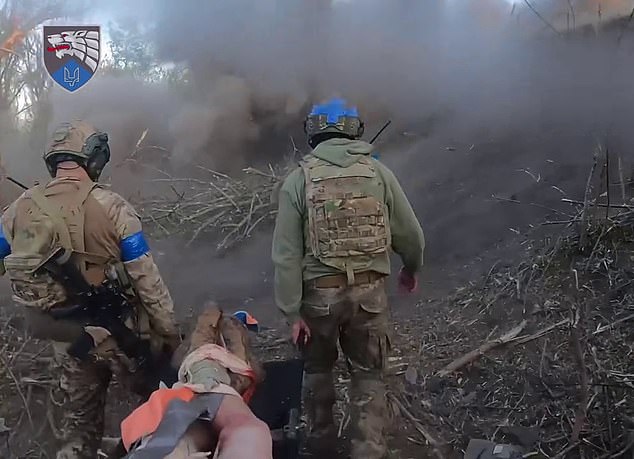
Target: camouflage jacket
(294,264)
(127,242)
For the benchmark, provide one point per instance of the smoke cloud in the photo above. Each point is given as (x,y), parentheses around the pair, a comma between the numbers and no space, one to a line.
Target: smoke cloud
(488,98)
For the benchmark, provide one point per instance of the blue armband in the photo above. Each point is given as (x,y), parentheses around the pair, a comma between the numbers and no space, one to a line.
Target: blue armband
(134,247)
(5,248)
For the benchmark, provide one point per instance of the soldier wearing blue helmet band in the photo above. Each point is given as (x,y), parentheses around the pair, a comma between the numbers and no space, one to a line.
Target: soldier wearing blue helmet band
(101,238)
(340,213)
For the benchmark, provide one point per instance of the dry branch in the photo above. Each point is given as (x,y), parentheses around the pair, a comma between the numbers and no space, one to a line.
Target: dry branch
(610,326)
(580,415)
(228,208)
(435,444)
(586,199)
(540,333)
(483,349)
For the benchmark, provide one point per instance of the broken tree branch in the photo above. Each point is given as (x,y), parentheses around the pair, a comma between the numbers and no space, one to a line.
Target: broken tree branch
(483,349)
(418,426)
(580,415)
(542,18)
(540,333)
(583,239)
(610,326)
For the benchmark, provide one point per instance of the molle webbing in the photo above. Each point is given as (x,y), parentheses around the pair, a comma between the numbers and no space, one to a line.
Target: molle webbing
(347,217)
(71,208)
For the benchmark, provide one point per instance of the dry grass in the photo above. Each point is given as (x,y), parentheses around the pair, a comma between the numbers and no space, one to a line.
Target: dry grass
(565,385)
(25,383)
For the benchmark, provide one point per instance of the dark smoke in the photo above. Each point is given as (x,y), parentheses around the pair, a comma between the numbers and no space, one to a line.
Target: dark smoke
(487,100)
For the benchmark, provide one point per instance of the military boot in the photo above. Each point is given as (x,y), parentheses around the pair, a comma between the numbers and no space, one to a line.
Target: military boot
(319,398)
(369,416)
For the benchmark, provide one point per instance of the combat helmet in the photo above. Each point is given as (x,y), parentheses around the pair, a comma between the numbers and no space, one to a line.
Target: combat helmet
(80,142)
(333,118)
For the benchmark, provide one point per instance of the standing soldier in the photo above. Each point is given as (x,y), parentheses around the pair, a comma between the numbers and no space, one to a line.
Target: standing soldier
(73,225)
(339,215)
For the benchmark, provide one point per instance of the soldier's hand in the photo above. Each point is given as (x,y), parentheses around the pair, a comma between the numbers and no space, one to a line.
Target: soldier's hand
(407,281)
(300,333)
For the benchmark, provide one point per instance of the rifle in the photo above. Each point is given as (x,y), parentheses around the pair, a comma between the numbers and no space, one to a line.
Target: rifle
(14,181)
(376,136)
(107,306)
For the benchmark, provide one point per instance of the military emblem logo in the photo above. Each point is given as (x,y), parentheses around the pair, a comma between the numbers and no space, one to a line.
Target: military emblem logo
(71,54)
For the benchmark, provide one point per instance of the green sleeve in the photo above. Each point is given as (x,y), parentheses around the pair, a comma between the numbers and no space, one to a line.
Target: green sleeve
(408,240)
(288,247)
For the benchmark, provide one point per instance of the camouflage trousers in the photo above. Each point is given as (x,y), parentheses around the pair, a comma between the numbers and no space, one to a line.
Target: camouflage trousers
(356,317)
(81,397)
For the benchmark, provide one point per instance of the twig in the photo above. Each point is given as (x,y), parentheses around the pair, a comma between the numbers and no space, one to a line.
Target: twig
(343,424)
(19,389)
(10,51)
(597,204)
(580,415)
(625,26)
(566,450)
(609,326)
(621,179)
(572,12)
(418,426)
(543,19)
(483,349)
(607,180)
(586,199)
(619,453)
(540,333)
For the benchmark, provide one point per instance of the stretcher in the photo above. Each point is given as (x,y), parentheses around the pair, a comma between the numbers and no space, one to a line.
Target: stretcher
(277,402)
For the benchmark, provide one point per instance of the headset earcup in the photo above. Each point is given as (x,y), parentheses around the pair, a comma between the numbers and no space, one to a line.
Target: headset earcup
(98,155)
(95,165)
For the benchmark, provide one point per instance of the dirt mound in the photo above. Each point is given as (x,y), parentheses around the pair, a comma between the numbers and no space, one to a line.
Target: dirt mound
(562,388)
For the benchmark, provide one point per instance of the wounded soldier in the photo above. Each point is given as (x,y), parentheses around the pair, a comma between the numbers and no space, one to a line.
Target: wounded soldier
(206,411)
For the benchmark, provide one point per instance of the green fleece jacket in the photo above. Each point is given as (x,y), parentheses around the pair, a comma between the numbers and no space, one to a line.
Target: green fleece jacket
(293,266)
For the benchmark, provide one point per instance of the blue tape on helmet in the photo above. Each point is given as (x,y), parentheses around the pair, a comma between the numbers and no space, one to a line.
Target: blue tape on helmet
(333,110)
(134,247)
(5,248)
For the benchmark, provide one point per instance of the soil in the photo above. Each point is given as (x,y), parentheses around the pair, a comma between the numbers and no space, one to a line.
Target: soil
(482,212)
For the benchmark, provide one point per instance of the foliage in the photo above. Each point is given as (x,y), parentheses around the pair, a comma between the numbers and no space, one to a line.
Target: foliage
(23,78)
(134,54)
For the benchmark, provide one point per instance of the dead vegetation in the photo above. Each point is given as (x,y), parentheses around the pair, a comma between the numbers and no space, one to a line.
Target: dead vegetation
(25,386)
(228,208)
(563,385)
(537,354)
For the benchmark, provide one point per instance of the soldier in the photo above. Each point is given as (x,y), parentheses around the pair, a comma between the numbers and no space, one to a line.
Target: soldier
(339,214)
(217,377)
(100,237)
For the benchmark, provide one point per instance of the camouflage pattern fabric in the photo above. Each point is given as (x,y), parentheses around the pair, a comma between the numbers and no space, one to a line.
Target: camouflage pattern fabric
(157,308)
(70,138)
(83,385)
(81,396)
(292,252)
(358,318)
(347,217)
